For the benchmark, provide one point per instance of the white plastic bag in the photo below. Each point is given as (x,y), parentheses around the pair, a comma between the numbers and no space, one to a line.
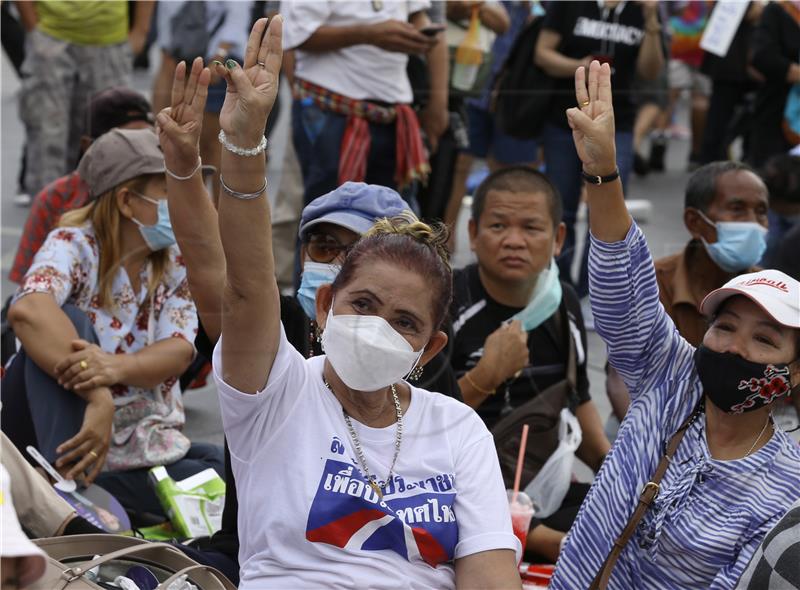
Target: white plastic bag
(548,488)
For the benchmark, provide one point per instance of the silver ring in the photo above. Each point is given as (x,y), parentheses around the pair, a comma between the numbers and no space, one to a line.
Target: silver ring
(261,63)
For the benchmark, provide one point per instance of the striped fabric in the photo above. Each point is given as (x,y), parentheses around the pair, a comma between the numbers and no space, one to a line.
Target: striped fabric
(710,515)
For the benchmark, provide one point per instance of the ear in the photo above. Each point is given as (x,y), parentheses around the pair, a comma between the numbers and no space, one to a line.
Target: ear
(472,229)
(123,197)
(324,302)
(561,235)
(437,342)
(698,227)
(302,257)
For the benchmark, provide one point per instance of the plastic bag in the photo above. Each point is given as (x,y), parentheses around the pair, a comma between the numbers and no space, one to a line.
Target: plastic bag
(550,485)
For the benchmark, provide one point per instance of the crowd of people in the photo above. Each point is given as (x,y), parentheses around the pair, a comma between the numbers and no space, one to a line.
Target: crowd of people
(371,394)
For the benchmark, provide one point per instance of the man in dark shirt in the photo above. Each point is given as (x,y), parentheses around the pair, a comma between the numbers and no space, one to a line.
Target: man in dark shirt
(516,231)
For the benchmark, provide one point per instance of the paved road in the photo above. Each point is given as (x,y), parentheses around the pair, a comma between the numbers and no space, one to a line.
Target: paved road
(665,233)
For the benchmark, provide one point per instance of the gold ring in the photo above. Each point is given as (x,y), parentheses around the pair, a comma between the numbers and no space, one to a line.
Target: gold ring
(93,454)
(585,103)
(84,365)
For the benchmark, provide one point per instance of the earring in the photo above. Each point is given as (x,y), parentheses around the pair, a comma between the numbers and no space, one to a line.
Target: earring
(416,374)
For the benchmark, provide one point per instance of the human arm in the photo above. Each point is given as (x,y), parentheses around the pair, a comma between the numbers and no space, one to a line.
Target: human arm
(487,570)
(492,15)
(594,442)
(435,117)
(391,35)
(643,344)
(27,14)
(767,54)
(554,63)
(194,219)
(650,61)
(505,353)
(140,25)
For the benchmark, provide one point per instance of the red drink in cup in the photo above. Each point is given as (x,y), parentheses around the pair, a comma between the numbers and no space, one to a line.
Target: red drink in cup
(522,512)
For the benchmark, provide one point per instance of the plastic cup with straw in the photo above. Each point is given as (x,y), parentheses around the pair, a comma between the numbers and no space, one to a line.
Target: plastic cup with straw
(519,503)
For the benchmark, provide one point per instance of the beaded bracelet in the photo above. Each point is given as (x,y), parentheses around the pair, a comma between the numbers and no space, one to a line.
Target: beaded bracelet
(240,151)
(242,196)
(188,176)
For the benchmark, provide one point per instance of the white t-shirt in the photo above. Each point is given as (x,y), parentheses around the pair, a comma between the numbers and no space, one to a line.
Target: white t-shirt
(357,71)
(307,517)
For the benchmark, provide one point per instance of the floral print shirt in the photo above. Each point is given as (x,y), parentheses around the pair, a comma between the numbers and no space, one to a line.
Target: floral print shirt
(147,422)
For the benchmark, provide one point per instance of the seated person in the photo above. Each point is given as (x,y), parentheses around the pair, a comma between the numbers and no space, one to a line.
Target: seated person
(421,468)
(781,174)
(117,107)
(515,232)
(106,323)
(725,213)
(329,227)
(699,473)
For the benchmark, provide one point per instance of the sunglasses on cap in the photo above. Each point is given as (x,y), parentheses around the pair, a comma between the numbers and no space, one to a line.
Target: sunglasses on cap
(324,248)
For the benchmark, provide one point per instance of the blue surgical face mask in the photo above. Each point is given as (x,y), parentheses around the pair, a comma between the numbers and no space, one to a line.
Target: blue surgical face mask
(159,235)
(314,275)
(544,301)
(739,245)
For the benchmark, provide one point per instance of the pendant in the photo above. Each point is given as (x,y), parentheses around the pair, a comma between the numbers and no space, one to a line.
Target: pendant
(376,487)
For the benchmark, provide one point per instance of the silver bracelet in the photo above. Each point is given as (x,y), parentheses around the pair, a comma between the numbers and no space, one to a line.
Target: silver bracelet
(240,151)
(187,177)
(242,196)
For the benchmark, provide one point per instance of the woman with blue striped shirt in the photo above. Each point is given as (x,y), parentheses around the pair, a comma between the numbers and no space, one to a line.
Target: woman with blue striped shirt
(733,474)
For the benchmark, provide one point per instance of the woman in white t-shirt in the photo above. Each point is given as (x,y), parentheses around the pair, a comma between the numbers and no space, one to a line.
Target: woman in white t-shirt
(346,474)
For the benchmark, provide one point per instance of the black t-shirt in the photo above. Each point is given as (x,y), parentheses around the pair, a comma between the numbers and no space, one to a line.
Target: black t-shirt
(475,316)
(613,35)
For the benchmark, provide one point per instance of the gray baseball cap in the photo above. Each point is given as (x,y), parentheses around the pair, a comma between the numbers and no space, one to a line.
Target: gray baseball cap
(118,156)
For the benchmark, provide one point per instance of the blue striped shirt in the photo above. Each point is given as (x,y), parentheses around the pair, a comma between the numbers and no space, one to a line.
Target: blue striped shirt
(710,515)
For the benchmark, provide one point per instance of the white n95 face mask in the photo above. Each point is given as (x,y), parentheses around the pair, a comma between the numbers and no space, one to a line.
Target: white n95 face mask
(366,352)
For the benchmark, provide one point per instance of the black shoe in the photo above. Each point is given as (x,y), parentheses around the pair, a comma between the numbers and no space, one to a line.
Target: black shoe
(640,165)
(658,149)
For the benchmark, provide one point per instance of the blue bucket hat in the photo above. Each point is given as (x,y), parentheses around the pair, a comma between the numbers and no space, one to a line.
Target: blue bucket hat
(354,205)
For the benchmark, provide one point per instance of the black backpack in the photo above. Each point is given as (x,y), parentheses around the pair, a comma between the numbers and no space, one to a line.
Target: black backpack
(523,90)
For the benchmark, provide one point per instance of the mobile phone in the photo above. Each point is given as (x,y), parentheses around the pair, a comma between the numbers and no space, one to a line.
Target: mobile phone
(432,30)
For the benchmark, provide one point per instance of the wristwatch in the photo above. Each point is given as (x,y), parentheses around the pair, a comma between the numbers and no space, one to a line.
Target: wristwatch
(594,179)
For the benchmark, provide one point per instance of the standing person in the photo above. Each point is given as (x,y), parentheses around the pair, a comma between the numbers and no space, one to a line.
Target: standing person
(351,118)
(73,51)
(516,232)
(113,108)
(776,54)
(392,292)
(627,35)
(722,483)
(106,323)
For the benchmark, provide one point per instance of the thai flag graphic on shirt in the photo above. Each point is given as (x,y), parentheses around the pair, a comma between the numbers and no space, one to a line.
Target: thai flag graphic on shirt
(348,513)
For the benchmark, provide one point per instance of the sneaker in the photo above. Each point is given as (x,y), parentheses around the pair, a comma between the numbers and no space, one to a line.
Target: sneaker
(22,200)
(658,149)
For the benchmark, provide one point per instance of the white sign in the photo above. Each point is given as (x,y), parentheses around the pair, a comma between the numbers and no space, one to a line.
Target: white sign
(722,25)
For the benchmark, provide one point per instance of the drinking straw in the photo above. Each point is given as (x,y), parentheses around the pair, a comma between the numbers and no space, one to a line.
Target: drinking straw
(523,441)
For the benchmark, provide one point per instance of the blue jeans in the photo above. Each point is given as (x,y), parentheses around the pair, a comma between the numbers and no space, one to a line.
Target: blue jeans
(317,136)
(564,170)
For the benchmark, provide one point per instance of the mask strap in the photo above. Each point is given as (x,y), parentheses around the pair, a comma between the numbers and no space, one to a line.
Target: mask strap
(705,218)
(145,197)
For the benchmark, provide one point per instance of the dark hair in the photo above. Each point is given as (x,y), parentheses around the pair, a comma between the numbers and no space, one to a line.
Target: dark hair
(702,186)
(781,174)
(518,179)
(410,243)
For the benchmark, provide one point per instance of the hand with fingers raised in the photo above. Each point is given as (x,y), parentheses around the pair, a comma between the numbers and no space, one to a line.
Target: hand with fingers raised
(180,124)
(592,121)
(252,86)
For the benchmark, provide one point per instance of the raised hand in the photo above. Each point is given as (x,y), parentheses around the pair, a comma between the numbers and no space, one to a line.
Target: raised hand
(253,87)
(179,124)
(592,122)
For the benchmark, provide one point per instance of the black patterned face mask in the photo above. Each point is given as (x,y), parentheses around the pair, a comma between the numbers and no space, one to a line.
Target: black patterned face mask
(736,385)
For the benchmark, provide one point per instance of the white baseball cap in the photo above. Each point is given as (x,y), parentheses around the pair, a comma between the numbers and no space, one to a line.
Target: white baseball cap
(14,543)
(775,292)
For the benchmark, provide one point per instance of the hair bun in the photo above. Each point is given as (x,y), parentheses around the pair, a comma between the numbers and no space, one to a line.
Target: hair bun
(435,235)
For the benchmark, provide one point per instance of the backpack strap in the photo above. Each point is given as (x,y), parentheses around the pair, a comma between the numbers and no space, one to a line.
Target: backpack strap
(568,344)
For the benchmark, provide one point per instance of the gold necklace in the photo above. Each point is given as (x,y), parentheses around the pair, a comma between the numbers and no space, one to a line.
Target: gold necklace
(760,434)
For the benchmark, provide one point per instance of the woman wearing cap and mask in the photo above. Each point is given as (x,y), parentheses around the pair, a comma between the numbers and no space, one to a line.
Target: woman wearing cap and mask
(731,473)
(346,474)
(106,322)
